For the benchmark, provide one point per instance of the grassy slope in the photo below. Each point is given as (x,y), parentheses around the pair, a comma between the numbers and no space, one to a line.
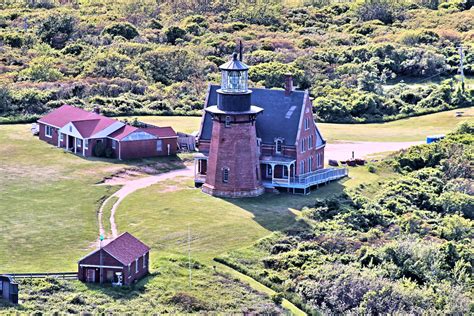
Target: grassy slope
(411,129)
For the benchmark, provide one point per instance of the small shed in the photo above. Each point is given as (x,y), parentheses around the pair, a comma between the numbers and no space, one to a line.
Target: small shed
(122,261)
(8,289)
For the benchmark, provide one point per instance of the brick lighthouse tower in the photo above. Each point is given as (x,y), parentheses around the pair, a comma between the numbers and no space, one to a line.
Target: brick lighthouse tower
(233,168)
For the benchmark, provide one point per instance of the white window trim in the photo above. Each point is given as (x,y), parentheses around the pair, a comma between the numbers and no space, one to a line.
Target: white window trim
(159,141)
(79,143)
(136,265)
(61,137)
(144,261)
(114,144)
(276,146)
(269,170)
(302,167)
(50,135)
(86,144)
(225,175)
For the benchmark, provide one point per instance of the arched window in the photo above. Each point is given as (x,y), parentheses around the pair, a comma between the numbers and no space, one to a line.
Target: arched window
(225,175)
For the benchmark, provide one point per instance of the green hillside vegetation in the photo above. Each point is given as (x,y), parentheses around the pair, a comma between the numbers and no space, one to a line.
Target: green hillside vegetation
(140,57)
(401,245)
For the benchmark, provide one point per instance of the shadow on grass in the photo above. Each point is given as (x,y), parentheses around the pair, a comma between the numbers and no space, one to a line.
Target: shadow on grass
(279,212)
(122,292)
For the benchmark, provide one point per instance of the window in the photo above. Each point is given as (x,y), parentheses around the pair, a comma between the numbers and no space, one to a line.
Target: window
(227,121)
(61,137)
(49,131)
(144,261)
(225,175)
(86,143)
(306,123)
(114,144)
(70,128)
(285,171)
(269,170)
(278,146)
(136,265)
(310,163)
(159,145)
(302,167)
(310,141)
(302,145)
(78,142)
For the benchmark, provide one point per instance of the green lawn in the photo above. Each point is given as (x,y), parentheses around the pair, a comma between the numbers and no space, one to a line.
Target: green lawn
(48,203)
(411,129)
(162,213)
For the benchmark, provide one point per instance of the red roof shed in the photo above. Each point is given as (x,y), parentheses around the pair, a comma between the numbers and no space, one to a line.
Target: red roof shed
(125,258)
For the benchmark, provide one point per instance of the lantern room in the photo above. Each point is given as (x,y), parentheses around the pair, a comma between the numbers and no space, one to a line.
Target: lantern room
(234,76)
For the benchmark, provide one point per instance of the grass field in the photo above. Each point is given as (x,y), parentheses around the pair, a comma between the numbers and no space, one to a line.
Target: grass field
(411,129)
(48,203)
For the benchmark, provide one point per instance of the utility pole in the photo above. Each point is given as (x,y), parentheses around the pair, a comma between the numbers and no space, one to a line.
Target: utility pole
(189,256)
(461,66)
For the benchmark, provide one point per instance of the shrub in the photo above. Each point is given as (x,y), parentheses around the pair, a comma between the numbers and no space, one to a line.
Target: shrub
(107,65)
(56,30)
(126,30)
(272,74)
(41,69)
(174,33)
(387,11)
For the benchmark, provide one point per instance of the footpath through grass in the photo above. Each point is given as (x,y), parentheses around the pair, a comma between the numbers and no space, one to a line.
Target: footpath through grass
(410,129)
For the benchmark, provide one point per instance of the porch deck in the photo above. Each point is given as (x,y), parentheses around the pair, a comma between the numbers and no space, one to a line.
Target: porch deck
(308,180)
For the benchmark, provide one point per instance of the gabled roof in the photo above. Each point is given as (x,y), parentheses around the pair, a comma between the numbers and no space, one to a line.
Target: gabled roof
(126,248)
(87,123)
(161,132)
(280,117)
(65,114)
(158,132)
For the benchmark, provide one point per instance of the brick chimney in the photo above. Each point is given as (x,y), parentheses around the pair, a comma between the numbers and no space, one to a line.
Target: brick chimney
(288,84)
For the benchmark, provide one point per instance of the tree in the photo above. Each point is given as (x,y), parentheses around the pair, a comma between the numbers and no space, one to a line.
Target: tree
(125,30)
(272,74)
(108,65)
(168,65)
(386,11)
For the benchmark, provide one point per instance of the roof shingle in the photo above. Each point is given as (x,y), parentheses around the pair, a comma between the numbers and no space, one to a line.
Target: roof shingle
(126,248)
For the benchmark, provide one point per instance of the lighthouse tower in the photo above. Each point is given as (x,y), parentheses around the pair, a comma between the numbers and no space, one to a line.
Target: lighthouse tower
(233,168)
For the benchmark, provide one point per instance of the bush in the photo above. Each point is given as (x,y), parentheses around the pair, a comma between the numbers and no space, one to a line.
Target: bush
(174,33)
(56,30)
(387,11)
(41,69)
(126,30)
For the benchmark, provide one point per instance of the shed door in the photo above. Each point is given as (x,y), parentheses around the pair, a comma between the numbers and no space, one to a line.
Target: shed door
(90,275)
(6,290)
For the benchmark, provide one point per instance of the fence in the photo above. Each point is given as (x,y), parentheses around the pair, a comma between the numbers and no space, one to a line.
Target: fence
(40,275)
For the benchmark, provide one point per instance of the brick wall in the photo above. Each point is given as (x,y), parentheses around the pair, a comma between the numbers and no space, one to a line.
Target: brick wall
(233,148)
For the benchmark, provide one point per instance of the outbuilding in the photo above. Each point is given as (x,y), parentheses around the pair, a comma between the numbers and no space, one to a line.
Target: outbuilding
(122,261)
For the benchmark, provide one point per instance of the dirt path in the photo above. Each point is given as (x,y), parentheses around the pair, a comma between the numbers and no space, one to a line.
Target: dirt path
(132,186)
(342,150)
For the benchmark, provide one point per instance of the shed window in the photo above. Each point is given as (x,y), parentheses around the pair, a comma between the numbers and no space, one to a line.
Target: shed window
(86,143)
(61,137)
(227,121)
(225,175)
(144,261)
(114,144)
(78,142)
(159,145)
(49,131)
(136,265)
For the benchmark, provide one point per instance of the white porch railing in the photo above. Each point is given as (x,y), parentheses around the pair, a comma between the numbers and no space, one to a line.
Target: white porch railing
(320,176)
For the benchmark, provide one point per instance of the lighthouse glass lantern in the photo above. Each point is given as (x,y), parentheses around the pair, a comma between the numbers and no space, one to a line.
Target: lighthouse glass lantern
(234,76)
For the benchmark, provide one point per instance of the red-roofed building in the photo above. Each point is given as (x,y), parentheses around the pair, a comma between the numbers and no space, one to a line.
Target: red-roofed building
(125,258)
(80,131)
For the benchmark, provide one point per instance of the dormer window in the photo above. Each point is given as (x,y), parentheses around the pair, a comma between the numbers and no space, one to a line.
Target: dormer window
(227,121)
(278,146)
